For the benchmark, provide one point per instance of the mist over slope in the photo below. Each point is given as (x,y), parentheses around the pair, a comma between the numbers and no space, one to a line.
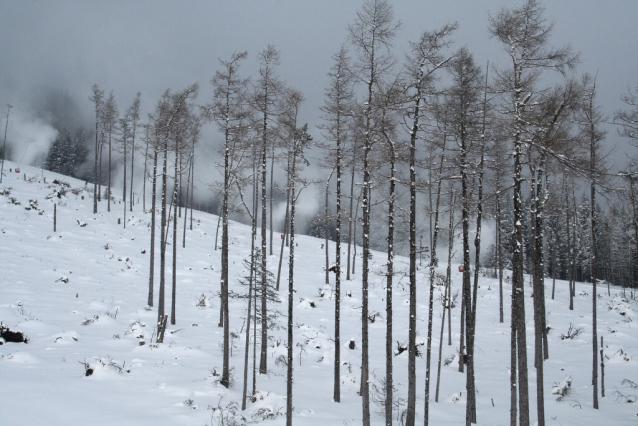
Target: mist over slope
(79,294)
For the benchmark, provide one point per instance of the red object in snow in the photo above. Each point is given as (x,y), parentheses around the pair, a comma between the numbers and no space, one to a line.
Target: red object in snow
(460,268)
(282,236)
(17,170)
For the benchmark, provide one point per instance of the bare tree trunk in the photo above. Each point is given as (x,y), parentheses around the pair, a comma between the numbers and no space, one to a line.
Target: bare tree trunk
(538,289)
(124,137)
(192,186)
(99,178)
(356,218)
(272,167)
(499,253)
(470,416)
(365,383)
(254,266)
(594,253)
(389,381)
(248,319)
(108,200)
(513,370)
(432,266)
(326,232)
(175,195)
(152,254)
(263,359)
(350,217)
(132,169)
(145,177)
(336,395)
(188,187)
(291,269)
(285,235)
(162,289)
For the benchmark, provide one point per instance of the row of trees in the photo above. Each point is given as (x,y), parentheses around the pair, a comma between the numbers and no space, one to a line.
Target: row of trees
(434,128)
(465,125)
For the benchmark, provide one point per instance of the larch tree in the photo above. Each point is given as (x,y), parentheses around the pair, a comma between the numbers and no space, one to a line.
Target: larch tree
(465,98)
(110,117)
(150,135)
(230,113)
(590,119)
(299,144)
(266,92)
(133,113)
(434,259)
(390,101)
(524,35)
(336,110)
(165,124)
(371,35)
(185,134)
(550,134)
(125,135)
(4,144)
(98,100)
(426,58)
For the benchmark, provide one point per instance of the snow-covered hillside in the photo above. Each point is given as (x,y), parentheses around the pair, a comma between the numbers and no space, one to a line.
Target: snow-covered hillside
(80,294)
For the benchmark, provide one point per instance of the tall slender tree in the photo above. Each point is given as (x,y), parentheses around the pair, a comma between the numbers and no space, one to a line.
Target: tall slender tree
(230,113)
(133,114)
(299,144)
(165,127)
(524,34)
(110,117)
(336,110)
(590,120)
(98,99)
(465,121)
(266,92)
(427,57)
(371,35)
(4,144)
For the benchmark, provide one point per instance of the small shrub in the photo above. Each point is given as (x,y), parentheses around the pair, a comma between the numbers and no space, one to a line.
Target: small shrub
(201,301)
(571,332)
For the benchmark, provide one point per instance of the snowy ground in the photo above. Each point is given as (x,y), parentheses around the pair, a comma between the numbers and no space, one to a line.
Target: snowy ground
(79,294)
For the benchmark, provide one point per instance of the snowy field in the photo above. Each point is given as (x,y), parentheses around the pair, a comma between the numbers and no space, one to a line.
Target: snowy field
(79,295)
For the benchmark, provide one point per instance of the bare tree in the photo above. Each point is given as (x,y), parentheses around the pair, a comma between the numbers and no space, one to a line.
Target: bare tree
(425,59)
(185,135)
(230,113)
(590,120)
(151,274)
(465,123)
(391,99)
(165,126)
(110,117)
(4,145)
(337,110)
(98,99)
(125,134)
(299,144)
(524,34)
(267,90)
(371,35)
(434,262)
(133,114)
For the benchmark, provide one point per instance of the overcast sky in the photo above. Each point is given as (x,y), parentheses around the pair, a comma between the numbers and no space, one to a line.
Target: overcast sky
(132,45)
